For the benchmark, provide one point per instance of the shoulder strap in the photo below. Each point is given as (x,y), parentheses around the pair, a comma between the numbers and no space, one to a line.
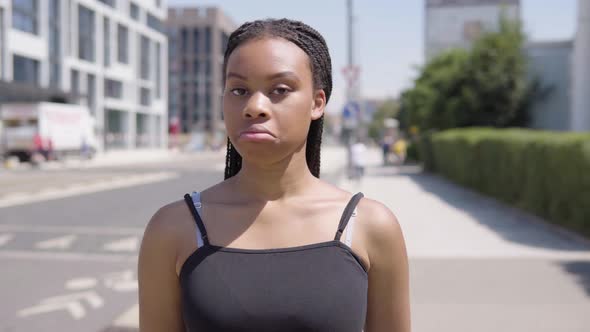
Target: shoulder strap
(347,214)
(194,204)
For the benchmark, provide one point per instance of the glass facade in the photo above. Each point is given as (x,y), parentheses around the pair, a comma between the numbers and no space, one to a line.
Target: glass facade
(122,44)
(134,11)
(86,39)
(54,43)
(25,70)
(144,58)
(145,97)
(109,2)
(113,89)
(75,82)
(154,23)
(25,15)
(196,40)
(106,37)
(158,71)
(91,93)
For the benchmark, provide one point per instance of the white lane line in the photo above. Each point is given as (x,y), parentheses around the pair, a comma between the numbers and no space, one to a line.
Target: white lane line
(5,238)
(129,319)
(106,230)
(126,244)
(62,242)
(66,256)
(109,184)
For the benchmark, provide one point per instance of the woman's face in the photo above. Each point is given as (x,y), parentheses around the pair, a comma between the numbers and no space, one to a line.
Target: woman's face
(269,99)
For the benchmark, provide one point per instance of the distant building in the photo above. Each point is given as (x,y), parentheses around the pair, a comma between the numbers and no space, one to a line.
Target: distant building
(457,23)
(107,54)
(580,120)
(197,40)
(549,62)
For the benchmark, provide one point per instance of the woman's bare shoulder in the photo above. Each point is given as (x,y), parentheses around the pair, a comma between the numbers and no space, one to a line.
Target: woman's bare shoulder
(169,221)
(381,226)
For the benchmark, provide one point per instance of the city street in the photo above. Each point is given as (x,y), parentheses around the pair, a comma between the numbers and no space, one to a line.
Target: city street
(68,251)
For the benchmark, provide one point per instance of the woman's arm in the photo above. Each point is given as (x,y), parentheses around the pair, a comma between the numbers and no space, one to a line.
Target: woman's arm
(389,295)
(159,288)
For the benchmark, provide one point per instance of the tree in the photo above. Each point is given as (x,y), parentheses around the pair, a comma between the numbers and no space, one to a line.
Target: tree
(388,109)
(484,86)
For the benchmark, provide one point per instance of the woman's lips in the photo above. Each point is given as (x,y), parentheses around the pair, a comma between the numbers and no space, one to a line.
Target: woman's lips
(256,136)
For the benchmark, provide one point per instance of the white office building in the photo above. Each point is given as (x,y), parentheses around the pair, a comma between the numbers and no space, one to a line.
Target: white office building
(108,54)
(457,23)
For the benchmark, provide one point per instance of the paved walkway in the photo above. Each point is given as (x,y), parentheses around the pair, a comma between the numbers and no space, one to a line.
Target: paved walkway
(475,264)
(479,265)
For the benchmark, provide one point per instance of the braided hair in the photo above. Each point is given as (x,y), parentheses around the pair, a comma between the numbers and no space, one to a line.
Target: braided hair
(314,45)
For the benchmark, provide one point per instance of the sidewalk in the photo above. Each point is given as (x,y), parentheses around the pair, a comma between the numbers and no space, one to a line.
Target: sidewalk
(477,264)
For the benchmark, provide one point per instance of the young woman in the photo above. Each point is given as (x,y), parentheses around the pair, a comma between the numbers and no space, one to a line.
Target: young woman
(273,247)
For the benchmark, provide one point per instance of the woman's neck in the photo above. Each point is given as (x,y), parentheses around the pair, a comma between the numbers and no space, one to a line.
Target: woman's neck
(270,182)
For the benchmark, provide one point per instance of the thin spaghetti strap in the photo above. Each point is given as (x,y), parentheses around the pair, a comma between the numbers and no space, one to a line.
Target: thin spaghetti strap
(193,205)
(348,212)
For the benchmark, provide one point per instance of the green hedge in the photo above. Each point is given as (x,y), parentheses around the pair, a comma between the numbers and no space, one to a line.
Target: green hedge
(546,173)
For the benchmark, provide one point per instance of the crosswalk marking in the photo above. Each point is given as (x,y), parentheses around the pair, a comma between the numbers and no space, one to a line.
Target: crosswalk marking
(63,242)
(5,238)
(125,244)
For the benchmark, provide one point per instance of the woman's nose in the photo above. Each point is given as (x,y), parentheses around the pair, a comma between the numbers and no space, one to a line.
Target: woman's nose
(257,106)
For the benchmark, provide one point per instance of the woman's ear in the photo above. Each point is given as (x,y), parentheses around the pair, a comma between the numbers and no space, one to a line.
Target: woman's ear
(318,104)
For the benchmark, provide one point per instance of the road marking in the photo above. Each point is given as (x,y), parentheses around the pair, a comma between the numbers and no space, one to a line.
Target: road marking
(107,184)
(62,242)
(71,229)
(66,256)
(5,238)
(129,319)
(124,281)
(70,302)
(126,244)
(81,283)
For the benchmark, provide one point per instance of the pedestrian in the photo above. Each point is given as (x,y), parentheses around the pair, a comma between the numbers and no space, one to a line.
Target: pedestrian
(273,247)
(358,159)
(386,143)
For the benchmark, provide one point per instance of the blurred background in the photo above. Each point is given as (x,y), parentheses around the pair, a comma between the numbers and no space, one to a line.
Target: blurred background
(469,119)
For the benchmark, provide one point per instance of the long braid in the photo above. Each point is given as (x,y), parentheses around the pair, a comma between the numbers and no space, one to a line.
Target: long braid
(314,45)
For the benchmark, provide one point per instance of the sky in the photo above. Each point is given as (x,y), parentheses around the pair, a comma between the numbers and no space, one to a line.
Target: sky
(389,34)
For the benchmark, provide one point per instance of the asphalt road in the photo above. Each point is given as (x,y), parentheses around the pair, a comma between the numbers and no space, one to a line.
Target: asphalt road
(69,263)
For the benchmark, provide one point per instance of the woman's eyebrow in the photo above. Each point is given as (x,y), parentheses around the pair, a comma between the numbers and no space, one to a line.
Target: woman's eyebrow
(283,74)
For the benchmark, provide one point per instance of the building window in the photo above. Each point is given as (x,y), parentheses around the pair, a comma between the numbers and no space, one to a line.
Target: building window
(134,11)
(91,92)
(25,70)
(85,33)
(24,15)
(144,58)
(196,40)
(75,83)
(54,43)
(113,89)
(54,74)
(122,44)
(108,2)
(145,97)
(224,41)
(2,74)
(106,34)
(154,23)
(158,71)
(184,40)
(207,68)
(207,40)
(196,68)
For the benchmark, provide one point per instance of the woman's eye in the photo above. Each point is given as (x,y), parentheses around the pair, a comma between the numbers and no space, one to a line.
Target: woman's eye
(238,91)
(280,91)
